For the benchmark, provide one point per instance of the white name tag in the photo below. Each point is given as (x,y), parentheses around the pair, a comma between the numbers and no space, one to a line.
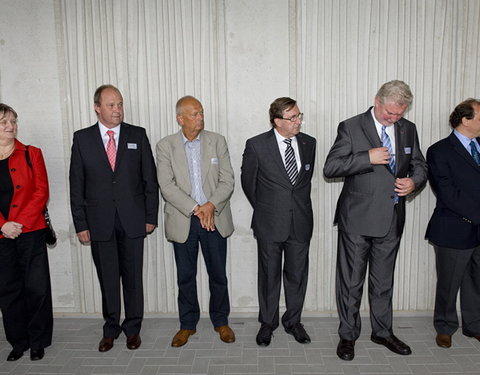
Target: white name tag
(132,146)
(214,161)
(408,150)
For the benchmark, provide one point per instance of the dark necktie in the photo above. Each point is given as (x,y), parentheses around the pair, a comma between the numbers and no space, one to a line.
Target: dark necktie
(474,152)
(290,162)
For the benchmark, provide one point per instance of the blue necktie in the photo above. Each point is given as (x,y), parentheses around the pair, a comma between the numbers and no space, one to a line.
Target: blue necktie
(474,152)
(386,143)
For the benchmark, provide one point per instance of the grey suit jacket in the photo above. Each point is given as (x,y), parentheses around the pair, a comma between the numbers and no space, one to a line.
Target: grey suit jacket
(277,204)
(365,205)
(175,186)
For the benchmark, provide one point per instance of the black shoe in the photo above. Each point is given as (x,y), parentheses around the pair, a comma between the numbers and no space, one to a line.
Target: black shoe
(346,350)
(37,354)
(392,343)
(264,335)
(299,333)
(13,356)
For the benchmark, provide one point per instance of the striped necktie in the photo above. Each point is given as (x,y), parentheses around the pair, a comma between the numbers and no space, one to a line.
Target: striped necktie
(474,152)
(386,143)
(290,162)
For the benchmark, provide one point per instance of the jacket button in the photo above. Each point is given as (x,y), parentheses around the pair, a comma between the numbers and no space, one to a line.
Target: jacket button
(18,187)
(14,206)
(13,169)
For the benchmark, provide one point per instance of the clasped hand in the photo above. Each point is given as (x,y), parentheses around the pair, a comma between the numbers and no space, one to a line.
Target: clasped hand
(206,215)
(11,229)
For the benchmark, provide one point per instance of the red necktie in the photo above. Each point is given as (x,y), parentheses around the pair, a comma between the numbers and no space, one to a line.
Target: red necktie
(111,149)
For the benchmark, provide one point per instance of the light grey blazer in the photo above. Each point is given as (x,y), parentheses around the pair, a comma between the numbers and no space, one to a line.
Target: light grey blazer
(175,186)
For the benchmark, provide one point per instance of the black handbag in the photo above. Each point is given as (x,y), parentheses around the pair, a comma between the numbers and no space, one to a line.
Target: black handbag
(51,236)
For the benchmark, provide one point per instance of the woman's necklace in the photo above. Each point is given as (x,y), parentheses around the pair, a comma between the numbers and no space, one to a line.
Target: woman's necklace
(7,153)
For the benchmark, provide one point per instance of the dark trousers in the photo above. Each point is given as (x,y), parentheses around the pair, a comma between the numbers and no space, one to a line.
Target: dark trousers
(120,259)
(25,291)
(295,277)
(214,251)
(355,252)
(457,269)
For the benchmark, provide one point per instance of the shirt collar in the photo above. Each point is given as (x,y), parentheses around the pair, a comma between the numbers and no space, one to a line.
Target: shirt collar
(104,129)
(280,137)
(185,139)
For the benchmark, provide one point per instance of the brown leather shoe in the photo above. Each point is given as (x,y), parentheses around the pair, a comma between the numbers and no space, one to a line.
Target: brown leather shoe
(181,337)
(106,343)
(443,340)
(133,342)
(226,334)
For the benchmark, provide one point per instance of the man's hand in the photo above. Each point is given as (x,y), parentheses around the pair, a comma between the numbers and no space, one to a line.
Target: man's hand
(206,214)
(11,229)
(404,186)
(84,236)
(379,155)
(150,228)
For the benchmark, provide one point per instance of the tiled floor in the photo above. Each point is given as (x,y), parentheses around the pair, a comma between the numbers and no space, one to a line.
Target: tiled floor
(74,351)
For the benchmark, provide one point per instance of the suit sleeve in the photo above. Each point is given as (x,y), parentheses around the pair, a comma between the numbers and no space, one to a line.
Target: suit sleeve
(38,201)
(77,188)
(171,193)
(342,161)
(249,172)
(149,175)
(226,178)
(446,188)
(418,170)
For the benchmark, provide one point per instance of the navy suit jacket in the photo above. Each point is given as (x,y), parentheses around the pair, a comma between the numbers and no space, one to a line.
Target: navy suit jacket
(455,179)
(97,193)
(276,202)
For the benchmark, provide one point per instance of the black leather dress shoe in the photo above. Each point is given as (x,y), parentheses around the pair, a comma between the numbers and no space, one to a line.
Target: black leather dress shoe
(392,343)
(346,350)
(264,335)
(299,333)
(13,356)
(37,354)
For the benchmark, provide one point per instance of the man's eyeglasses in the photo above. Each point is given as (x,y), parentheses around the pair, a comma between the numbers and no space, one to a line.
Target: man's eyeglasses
(294,118)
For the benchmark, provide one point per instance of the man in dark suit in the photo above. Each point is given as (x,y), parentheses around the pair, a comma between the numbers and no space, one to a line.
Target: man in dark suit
(378,154)
(277,169)
(454,228)
(114,202)
(196,180)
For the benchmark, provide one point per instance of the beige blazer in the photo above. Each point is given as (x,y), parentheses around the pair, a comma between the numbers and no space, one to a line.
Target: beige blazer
(175,187)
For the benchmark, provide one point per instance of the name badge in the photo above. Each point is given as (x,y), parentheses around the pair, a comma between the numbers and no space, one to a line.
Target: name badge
(132,146)
(408,150)
(307,167)
(214,161)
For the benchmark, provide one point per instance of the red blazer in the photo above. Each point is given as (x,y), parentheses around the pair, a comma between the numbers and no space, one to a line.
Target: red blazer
(30,189)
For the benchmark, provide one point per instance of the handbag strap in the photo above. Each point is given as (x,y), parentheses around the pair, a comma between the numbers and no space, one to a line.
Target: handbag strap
(29,162)
(27,157)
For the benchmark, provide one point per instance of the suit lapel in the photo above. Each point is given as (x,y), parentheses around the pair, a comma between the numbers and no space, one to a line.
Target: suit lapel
(462,151)
(122,144)
(97,144)
(369,129)
(274,151)
(205,153)
(180,157)
(400,145)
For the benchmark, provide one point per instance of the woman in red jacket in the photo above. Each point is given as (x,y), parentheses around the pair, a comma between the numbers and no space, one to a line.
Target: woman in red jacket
(25,292)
